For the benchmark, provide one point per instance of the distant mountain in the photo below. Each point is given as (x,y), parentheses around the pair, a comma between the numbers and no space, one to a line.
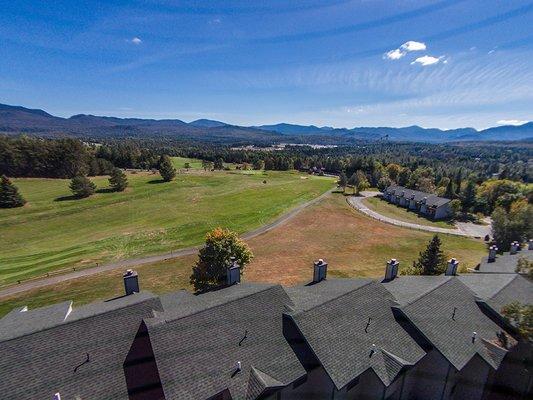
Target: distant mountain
(16,119)
(207,123)
(290,129)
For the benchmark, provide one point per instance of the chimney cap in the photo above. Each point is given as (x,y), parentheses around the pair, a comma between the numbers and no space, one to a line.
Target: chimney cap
(129,272)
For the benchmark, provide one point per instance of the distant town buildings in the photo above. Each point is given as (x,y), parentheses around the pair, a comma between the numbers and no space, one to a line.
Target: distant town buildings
(403,337)
(428,204)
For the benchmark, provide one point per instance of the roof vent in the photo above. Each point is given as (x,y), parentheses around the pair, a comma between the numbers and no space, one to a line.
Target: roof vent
(515,246)
(372,350)
(320,270)
(233,273)
(391,270)
(474,334)
(451,269)
(492,253)
(131,282)
(238,366)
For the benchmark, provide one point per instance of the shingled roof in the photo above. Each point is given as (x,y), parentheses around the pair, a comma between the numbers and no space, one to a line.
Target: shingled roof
(342,319)
(447,315)
(78,353)
(498,290)
(504,263)
(198,345)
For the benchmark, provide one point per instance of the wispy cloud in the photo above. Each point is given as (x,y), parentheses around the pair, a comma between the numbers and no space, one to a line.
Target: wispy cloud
(405,48)
(136,40)
(515,122)
(428,60)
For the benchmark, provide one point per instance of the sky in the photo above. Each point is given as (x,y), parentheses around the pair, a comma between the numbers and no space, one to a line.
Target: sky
(341,63)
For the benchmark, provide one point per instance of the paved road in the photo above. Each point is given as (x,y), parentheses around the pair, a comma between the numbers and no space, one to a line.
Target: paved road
(125,264)
(463,229)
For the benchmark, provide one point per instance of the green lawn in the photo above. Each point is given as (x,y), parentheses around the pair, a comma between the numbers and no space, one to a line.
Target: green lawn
(402,214)
(179,162)
(54,231)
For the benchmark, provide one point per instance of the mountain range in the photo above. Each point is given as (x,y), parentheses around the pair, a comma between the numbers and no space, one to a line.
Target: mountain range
(17,119)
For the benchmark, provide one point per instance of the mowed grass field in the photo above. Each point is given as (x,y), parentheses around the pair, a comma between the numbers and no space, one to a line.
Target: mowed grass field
(353,244)
(54,231)
(402,214)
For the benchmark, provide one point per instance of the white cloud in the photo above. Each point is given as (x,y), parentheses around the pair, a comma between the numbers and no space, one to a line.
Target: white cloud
(427,60)
(395,54)
(515,122)
(408,46)
(413,46)
(136,40)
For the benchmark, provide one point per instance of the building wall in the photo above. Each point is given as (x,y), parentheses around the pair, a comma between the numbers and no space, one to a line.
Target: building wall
(318,386)
(426,380)
(442,211)
(469,382)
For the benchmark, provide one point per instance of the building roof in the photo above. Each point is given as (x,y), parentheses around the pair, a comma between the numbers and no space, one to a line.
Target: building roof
(341,322)
(431,199)
(498,290)
(197,347)
(504,263)
(79,356)
(447,315)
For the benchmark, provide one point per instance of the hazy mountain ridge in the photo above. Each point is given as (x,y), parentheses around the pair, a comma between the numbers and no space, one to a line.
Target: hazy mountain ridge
(17,119)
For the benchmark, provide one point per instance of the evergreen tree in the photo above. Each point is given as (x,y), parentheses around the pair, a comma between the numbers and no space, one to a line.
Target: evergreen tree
(468,196)
(9,194)
(118,180)
(166,169)
(81,186)
(219,163)
(343,181)
(432,260)
(450,191)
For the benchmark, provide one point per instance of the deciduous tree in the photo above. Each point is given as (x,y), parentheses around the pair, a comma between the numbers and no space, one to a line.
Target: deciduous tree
(221,245)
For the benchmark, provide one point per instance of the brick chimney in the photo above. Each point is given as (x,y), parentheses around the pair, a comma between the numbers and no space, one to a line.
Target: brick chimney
(391,270)
(515,246)
(233,274)
(530,244)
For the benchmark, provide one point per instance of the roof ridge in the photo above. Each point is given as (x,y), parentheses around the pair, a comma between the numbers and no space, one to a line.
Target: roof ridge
(298,311)
(269,287)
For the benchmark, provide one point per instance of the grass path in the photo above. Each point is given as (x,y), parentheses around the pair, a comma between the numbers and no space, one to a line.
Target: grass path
(54,232)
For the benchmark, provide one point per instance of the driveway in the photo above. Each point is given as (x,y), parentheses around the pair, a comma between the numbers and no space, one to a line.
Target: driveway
(463,228)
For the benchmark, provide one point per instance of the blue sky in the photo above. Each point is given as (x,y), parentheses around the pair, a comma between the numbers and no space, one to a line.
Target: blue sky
(339,63)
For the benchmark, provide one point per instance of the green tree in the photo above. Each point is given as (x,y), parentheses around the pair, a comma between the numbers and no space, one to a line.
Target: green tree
(359,182)
(9,194)
(490,191)
(343,181)
(521,317)
(525,266)
(468,196)
(455,207)
(221,245)
(384,183)
(118,180)
(81,186)
(450,190)
(258,164)
(432,260)
(219,163)
(187,166)
(515,224)
(166,169)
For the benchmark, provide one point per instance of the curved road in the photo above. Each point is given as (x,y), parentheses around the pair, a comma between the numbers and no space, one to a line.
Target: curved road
(125,264)
(463,229)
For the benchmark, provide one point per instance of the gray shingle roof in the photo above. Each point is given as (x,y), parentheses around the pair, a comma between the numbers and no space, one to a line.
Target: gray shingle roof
(341,328)
(39,363)
(504,263)
(498,290)
(448,316)
(198,346)
(432,200)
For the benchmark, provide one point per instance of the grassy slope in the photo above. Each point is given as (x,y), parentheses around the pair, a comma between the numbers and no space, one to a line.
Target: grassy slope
(150,217)
(352,243)
(402,214)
